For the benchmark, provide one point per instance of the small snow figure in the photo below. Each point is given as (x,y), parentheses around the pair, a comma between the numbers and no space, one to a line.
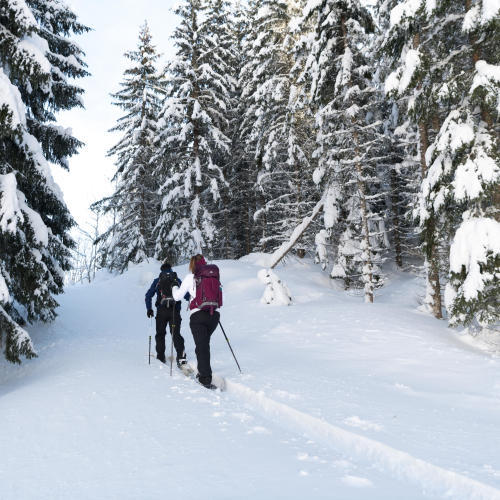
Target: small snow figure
(321,241)
(276,293)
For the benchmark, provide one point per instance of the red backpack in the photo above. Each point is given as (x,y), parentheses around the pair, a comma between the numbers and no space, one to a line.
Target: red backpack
(208,288)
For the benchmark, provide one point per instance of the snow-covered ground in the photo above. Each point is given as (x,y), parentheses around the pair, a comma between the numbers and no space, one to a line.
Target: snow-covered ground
(338,400)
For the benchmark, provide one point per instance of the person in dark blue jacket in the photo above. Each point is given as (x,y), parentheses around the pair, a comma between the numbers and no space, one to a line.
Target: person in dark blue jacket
(167,312)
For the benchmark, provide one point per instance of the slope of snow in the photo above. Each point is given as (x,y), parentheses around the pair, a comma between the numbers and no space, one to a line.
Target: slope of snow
(338,399)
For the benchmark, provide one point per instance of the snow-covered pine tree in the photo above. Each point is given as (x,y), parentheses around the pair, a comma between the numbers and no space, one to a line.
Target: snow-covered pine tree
(37,60)
(399,170)
(254,74)
(241,173)
(398,163)
(193,135)
(417,56)
(298,133)
(342,92)
(135,202)
(246,171)
(460,194)
(221,60)
(277,128)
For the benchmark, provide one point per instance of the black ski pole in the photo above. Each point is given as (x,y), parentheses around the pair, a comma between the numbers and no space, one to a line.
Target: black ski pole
(232,352)
(150,336)
(172,326)
(149,349)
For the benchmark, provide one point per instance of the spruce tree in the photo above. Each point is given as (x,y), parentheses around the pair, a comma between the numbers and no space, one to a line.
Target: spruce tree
(37,60)
(460,192)
(249,160)
(192,136)
(258,79)
(297,133)
(222,59)
(240,173)
(446,57)
(135,202)
(343,94)
(399,162)
(275,126)
(416,56)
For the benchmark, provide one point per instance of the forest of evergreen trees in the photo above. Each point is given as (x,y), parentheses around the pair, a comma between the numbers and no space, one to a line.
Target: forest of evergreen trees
(386,116)
(383,117)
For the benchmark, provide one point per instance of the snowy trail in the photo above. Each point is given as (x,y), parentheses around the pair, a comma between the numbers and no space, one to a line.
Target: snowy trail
(312,415)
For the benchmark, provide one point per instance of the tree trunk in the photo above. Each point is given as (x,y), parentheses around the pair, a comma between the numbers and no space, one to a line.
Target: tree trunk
(369,286)
(296,235)
(396,218)
(433,269)
(250,208)
(437,308)
(436,124)
(424,144)
(368,264)
(261,202)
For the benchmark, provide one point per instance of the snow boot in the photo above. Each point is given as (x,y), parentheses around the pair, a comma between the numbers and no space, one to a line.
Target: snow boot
(161,358)
(204,383)
(181,360)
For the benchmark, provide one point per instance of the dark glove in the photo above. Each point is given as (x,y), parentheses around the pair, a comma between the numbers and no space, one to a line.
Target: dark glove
(150,313)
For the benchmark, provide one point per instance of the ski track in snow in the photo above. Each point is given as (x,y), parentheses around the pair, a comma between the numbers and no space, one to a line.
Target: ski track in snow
(90,419)
(432,478)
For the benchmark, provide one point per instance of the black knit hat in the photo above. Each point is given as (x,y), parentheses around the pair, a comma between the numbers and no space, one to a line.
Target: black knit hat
(166,265)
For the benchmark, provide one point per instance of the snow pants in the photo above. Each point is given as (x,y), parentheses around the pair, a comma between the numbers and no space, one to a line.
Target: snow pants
(203,324)
(165,316)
